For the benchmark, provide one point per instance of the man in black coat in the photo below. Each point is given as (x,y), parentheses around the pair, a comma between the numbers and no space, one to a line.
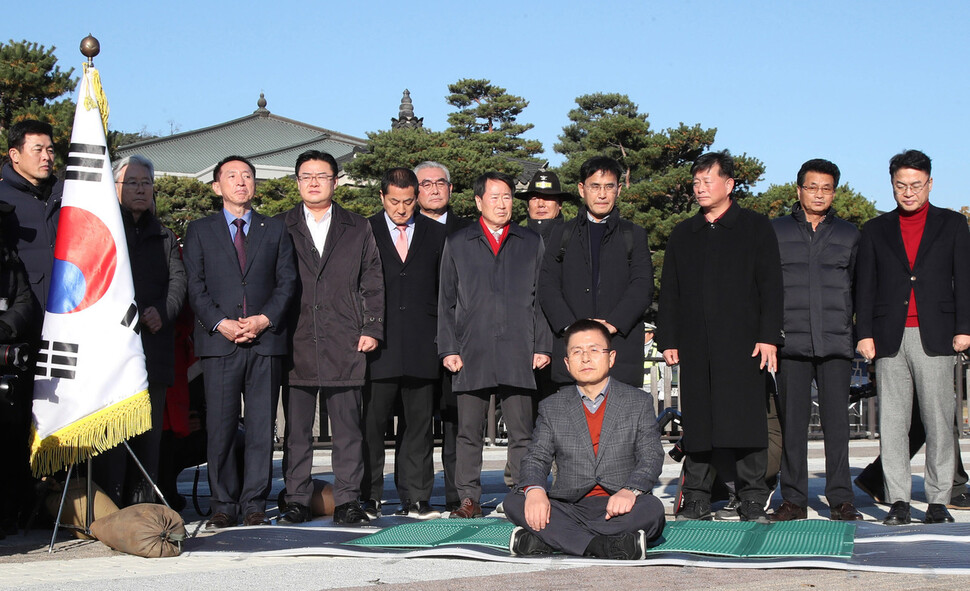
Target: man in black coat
(720,318)
(159,280)
(544,198)
(405,365)
(598,266)
(30,186)
(338,319)
(491,333)
(241,278)
(913,316)
(818,251)
(434,195)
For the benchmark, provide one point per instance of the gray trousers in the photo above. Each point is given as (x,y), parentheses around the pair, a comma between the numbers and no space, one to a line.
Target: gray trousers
(931,376)
(472,412)
(572,526)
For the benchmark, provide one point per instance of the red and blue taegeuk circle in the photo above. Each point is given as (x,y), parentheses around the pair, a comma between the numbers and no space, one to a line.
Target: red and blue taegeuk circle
(85,258)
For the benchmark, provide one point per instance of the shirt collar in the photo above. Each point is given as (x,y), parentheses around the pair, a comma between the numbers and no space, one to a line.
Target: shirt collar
(391,225)
(230,218)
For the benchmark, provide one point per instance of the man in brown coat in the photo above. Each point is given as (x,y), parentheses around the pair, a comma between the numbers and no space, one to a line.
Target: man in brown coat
(338,321)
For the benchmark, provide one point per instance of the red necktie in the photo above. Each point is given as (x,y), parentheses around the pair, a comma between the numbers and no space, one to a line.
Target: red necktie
(239,241)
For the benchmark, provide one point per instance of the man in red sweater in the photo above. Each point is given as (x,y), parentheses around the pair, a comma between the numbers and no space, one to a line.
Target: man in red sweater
(913,316)
(602,434)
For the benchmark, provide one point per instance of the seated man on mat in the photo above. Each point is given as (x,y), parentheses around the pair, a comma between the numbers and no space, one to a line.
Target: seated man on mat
(602,434)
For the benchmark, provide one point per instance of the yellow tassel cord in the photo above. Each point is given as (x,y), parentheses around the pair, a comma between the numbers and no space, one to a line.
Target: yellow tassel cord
(91,435)
(98,100)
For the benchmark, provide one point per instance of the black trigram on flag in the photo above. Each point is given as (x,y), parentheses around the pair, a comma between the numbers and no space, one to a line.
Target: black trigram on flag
(56,360)
(129,318)
(85,162)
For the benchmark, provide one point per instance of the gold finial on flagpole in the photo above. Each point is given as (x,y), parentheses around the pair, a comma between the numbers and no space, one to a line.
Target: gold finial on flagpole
(90,47)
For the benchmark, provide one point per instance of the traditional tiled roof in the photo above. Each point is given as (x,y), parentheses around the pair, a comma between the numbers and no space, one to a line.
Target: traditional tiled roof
(271,142)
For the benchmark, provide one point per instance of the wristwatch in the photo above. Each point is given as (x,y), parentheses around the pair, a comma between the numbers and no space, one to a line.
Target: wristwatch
(636,491)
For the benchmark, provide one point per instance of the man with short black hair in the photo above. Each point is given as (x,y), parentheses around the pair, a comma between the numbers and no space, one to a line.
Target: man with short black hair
(405,365)
(241,278)
(339,319)
(721,298)
(601,502)
(30,186)
(912,306)
(597,265)
(491,333)
(818,252)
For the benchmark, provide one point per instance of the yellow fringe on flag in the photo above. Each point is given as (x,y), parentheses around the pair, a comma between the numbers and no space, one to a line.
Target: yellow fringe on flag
(91,435)
(98,99)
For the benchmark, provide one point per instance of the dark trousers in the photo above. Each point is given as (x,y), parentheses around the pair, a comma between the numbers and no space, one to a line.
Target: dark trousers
(832,377)
(749,477)
(116,472)
(572,526)
(257,378)
(16,481)
(448,407)
(347,443)
(414,467)
(472,412)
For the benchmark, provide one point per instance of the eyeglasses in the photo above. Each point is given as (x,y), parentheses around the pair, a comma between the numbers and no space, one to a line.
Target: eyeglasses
(136,184)
(322,177)
(440,184)
(903,188)
(815,189)
(598,188)
(592,352)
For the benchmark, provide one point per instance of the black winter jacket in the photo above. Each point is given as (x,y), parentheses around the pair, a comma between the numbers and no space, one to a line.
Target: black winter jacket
(817,269)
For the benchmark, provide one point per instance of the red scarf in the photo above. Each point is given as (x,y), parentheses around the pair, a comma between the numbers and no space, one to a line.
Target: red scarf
(495,244)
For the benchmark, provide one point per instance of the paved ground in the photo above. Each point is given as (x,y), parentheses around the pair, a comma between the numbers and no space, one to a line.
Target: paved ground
(25,563)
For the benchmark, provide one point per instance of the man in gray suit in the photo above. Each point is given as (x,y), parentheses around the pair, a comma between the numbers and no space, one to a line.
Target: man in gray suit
(602,434)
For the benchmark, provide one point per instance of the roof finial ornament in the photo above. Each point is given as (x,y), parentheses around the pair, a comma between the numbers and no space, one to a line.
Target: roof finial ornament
(261,103)
(406,118)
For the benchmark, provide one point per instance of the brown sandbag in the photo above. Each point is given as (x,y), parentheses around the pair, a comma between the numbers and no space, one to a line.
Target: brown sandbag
(76,505)
(321,503)
(149,530)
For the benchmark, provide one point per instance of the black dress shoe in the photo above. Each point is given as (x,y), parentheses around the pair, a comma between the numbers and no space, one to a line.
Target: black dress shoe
(404,509)
(372,508)
(349,513)
(845,512)
(295,513)
(452,505)
(898,514)
(220,521)
(937,513)
(525,543)
(256,518)
(423,510)
(960,501)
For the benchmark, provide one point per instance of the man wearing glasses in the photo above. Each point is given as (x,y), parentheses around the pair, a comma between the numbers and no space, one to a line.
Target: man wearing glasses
(598,266)
(913,317)
(340,318)
(434,196)
(818,252)
(601,502)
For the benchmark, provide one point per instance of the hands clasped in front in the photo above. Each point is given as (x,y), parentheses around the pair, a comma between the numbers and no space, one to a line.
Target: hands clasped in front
(243,330)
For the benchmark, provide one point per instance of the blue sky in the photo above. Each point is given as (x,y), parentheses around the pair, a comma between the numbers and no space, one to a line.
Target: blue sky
(854,82)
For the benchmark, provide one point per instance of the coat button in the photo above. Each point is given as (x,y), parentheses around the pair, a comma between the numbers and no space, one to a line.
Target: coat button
(905,302)
(316,306)
(244,283)
(401,308)
(239,305)
(403,273)
(913,278)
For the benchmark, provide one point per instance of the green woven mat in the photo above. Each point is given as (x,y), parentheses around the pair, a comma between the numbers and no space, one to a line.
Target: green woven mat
(810,537)
(441,532)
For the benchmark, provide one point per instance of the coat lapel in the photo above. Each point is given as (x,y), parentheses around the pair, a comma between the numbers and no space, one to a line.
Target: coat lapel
(337,227)
(254,239)
(224,238)
(611,414)
(896,239)
(577,416)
